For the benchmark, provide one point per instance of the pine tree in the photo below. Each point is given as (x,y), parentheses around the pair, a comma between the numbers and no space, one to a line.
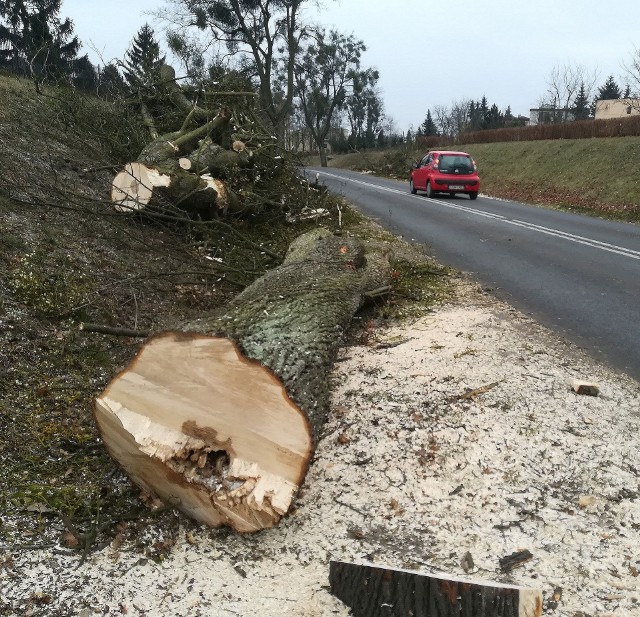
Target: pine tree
(428,128)
(580,108)
(143,59)
(483,113)
(111,85)
(627,92)
(610,90)
(495,119)
(35,41)
(14,14)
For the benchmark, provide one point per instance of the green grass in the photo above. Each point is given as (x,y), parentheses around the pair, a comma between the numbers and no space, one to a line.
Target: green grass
(595,176)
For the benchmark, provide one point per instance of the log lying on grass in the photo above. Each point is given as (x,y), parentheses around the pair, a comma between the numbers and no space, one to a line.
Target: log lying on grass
(158,178)
(220,418)
(138,186)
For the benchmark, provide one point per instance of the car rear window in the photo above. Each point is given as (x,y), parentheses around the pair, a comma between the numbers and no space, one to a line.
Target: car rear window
(453,163)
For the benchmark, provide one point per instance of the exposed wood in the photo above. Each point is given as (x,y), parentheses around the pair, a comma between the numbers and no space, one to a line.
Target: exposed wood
(225,430)
(376,591)
(206,430)
(138,186)
(585,387)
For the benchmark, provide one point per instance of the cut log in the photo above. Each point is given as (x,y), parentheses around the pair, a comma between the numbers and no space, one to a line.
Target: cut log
(220,418)
(157,179)
(377,591)
(215,160)
(139,186)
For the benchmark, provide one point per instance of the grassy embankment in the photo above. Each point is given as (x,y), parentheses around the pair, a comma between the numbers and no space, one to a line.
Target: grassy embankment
(596,176)
(66,257)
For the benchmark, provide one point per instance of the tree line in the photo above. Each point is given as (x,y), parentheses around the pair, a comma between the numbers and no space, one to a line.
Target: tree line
(571,94)
(309,80)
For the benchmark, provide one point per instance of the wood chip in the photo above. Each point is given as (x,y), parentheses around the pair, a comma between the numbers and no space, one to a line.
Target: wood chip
(585,387)
(509,562)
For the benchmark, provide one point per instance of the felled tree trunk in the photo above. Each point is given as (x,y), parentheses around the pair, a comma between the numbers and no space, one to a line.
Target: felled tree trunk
(157,179)
(220,418)
(139,186)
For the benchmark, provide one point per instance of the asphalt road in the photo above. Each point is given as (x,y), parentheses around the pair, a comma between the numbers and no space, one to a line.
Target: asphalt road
(576,274)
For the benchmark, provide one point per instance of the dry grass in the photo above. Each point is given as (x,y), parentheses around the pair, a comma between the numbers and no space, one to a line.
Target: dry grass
(594,176)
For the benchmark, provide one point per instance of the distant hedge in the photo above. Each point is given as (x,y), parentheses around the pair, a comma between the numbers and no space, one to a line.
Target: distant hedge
(581,129)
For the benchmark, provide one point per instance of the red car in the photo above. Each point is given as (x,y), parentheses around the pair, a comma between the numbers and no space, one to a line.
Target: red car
(443,171)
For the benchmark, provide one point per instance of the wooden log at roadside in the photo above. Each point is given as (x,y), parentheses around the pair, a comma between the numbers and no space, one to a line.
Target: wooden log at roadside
(376,591)
(157,179)
(220,418)
(139,186)
(213,159)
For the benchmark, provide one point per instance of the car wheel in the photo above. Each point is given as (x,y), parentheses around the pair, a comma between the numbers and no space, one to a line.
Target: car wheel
(429,190)
(411,187)
(473,195)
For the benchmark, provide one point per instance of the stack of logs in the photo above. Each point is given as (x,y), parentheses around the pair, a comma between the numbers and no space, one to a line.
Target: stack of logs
(183,169)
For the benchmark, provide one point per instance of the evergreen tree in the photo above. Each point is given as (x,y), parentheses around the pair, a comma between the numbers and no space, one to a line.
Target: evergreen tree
(475,118)
(428,127)
(627,92)
(35,41)
(494,118)
(85,76)
(13,15)
(143,59)
(610,90)
(483,113)
(111,84)
(580,108)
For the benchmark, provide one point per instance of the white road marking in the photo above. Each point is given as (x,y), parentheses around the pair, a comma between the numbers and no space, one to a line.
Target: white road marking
(597,244)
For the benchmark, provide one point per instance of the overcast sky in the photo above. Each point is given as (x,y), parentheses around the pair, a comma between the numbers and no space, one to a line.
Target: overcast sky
(432,53)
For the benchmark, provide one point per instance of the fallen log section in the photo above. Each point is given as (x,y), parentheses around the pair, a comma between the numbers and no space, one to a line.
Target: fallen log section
(220,418)
(377,591)
(158,178)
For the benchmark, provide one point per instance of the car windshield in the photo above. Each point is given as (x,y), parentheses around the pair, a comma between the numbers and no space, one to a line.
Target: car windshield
(454,163)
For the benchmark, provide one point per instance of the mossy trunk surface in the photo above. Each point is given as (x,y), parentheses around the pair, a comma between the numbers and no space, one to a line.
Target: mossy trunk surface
(220,418)
(292,320)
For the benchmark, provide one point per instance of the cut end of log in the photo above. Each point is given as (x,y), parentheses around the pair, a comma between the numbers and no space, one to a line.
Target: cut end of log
(208,431)
(222,198)
(133,187)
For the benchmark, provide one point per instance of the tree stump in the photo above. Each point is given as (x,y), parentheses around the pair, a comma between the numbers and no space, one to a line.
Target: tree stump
(220,418)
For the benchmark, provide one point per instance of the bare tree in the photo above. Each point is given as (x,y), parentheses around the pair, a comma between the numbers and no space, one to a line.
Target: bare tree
(632,77)
(443,119)
(563,84)
(264,34)
(460,116)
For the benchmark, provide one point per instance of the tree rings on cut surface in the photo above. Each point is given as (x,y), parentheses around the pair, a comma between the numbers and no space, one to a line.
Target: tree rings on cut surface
(207,430)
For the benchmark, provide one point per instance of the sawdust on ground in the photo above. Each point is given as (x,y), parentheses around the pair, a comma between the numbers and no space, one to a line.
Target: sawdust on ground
(452,436)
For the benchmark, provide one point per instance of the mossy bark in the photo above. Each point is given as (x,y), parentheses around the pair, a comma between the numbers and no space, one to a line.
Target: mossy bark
(201,418)
(292,320)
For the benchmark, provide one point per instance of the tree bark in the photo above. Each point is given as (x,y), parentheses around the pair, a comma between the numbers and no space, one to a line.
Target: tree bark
(376,591)
(157,179)
(220,418)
